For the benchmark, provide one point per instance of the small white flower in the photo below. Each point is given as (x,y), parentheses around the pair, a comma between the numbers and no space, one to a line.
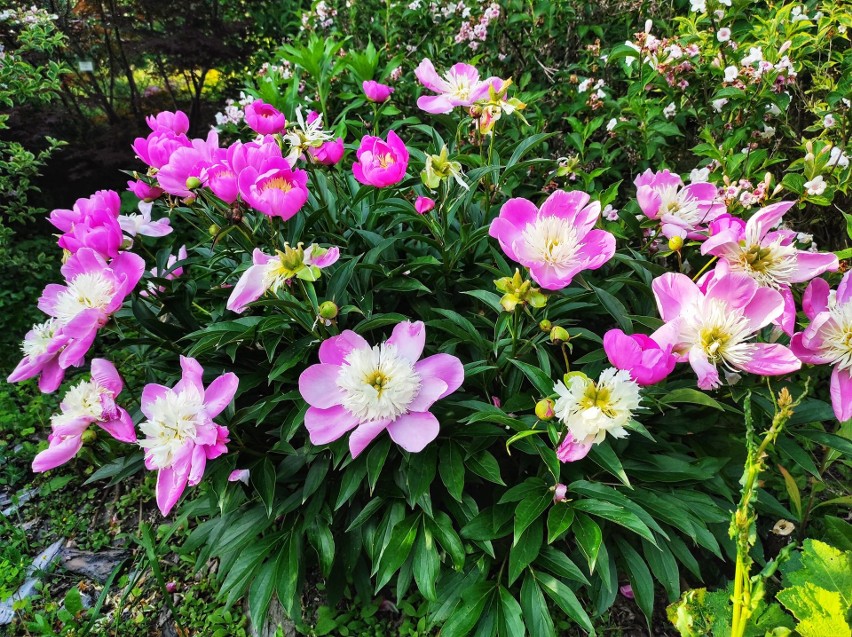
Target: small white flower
(816,186)
(838,158)
(670,111)
(611,124)
(699,174)
(724,34)
(699,6)
(731,73)
(609,213)
(828,121)
(583,86)
(718,104)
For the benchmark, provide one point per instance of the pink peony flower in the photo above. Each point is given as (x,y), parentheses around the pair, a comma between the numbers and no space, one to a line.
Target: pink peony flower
(264,118)
(381,163)
(91,223)
(188,163)
(156,150)
(169,273)
(239,475)
(460,86)
(276,190)
(255,154)
(143,190)
(367,389)
(826,340)
(42,346)
(141,224)
(768,256)
(88,402)
(329,153)
(716,327)
(272,272)
(626,590)
(556,241)
(642,356)
(683,211)
(176,122)
(180,435)
(222,180)
(376,92)
(559,492)
(424,205)
(570,450)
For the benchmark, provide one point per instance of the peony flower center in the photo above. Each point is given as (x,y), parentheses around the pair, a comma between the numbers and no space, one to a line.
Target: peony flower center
(838,340)
(551,240)
(599,398)
(589,410)
(174,421)
(770,265)
(385,160)
(86,291)
(377,383)
(83,399)
(674,202)
(39,340)
(460,86)
(721,332)
(277,183)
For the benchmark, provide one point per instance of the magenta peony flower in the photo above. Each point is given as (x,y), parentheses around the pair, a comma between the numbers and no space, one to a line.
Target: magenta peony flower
(188,163)
(460,86)
(156,149)
(180,435)
(270,273)
(88,402)
(716,327)
(570,450)
(683,211)
(370,389)
(255,154)
(376,92)
(640,355)
(176,122)
(424,204)
(381,163)
(222,180)
(264,118)
(42,346)
(768,256)
(143,190)
(826,340)
(276,189)
(329,153)
(141,224)
(554,242)
(91,223)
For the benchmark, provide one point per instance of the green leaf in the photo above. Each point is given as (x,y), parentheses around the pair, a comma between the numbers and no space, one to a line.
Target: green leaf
(615,308)
(397,550)
(617,514)
(821,613)
(792,492)
(825,567)
(589,537)
(426,565)
(557,563)
(832,441)
(260,592)
(525,550)
(464,617)
(536,613)
(420,473)
(559,519)
(640,579)
(540,380)
(566,600)
(528,511)
(451,469)
(485,465)
(263,478)
(691,396)
(603,456)
(73,601)
(510,622)
(376,460)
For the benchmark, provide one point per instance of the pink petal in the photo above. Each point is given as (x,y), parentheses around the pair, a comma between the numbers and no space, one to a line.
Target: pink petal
(318,386)
(674,291)
(409,339)
(805,354)
(364,434)
(334,350)
(121,429)
(844,290)
(811,264)
(765,306)
(815,298)
(250,287)
(414,430)
(220,393)
(327,425)
(519,212)
(596,248)
(567,205)
(57,454)
(431,390)
(171,481)
(621,350)
(766,218)
(192,376)
(787,320)
(105,375)
(841,393)
(444,367)
(197,465)
(771,360)
(151,393)
(428,77)
(708,375)
(649,201)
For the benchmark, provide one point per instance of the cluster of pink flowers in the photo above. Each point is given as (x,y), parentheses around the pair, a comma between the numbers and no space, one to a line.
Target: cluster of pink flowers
(474,32)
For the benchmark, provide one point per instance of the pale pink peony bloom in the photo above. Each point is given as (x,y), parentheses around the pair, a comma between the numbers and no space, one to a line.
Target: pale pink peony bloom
(141,224)
(826,340)
(570,450)
(271,272)
(717,326)
(255,154)
(768,256)
(424,204)
(156,149)
(275,189)
(86,403)
(264,118)
(646,361)
(368,390)
(239,475)
(460,86)
(143,190)
(180,435)
(176,122)
(376,92)
(381,163)
(329,154)
(91,223)
(683,211)
(559,493)
(42,346)
(557,241)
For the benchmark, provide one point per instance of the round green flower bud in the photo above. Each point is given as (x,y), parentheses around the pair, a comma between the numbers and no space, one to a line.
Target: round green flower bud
(213,230)
(192,183)
(328,310)
(545,325)
(89,436)
(544,409)
(559,335)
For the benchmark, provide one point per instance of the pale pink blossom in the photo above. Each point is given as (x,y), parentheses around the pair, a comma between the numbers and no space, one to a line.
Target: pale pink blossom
(460,86)
(141,223)
(276,189)
(683,211)
(264,118)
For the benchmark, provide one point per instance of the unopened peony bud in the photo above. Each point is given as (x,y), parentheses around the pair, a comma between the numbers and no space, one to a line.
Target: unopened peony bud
(213,230)
(328,310)
(545,325)
(544,409)
(559,335)
(192,183)
(675,243)
(89,436)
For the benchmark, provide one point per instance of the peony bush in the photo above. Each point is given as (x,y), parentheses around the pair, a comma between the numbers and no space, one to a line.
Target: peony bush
(391,339)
